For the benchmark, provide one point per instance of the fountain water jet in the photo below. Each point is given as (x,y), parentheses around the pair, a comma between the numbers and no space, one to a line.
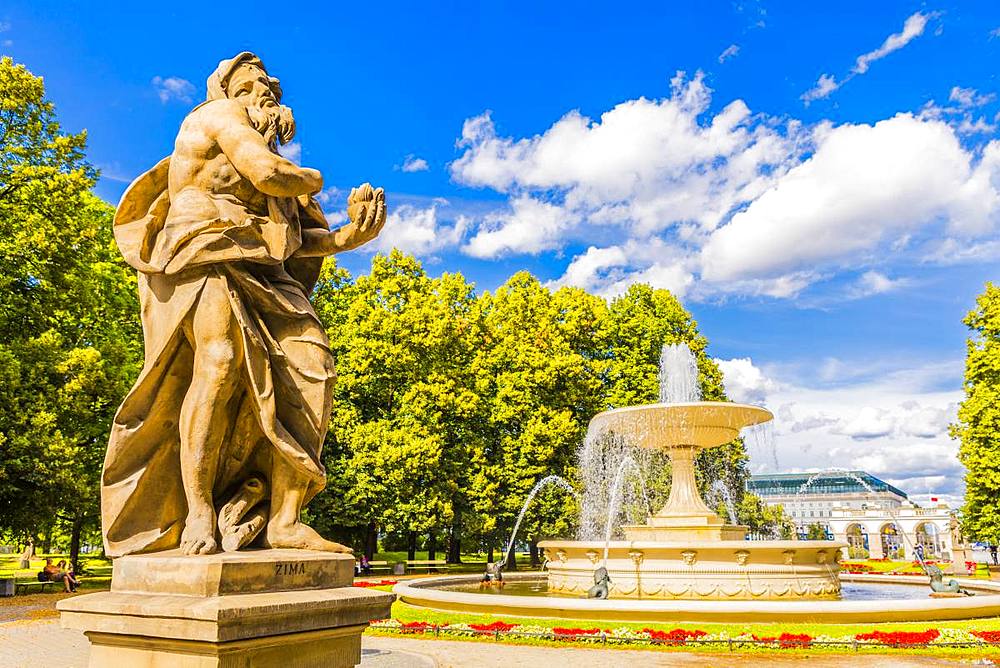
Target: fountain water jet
(548,480)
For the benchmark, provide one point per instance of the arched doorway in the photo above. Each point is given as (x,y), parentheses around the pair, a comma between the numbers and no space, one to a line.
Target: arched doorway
(926,535)
(857,542)
(892,542)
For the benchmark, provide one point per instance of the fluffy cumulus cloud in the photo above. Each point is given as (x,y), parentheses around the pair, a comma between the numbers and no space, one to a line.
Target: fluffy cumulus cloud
(892,423)
(174,88)
(863,186)
(744,382)
(417,230)
(414,164)
(725,202)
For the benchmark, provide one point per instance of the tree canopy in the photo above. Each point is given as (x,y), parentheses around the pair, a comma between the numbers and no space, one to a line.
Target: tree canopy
(978,426)
(70,341)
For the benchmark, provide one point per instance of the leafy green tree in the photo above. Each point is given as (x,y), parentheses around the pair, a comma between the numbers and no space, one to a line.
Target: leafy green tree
(978,426)
(537,394)
(398,452)
(69,331)
(815,531)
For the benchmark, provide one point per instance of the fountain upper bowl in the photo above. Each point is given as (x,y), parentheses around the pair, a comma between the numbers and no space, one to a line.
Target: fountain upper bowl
(701,424)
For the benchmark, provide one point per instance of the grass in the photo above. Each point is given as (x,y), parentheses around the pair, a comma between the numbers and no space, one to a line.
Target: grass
(96,570)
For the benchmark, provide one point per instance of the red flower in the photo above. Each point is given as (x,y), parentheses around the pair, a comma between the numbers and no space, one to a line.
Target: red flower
(674,637)
(502,627)
(787,640)
(896,638)
(415,627)
(988,636)
(381,583)
(569,634)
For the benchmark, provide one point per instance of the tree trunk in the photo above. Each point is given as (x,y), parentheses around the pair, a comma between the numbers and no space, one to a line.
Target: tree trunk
(489,555)
(533,550)
(371,541)
(74,542)
(411,546)
(432,546)
(47,541)
(455,544)
(510,564)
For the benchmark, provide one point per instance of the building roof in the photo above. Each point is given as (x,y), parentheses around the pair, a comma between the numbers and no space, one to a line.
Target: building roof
(833,482)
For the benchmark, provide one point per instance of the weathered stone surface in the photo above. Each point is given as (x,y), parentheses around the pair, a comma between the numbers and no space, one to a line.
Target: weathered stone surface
(282,620)
(223,574)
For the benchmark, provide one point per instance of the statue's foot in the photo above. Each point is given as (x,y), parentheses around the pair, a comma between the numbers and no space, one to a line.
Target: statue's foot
(300,536)
(199,534)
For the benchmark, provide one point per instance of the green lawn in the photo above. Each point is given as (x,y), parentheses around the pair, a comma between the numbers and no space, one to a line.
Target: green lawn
(96,571)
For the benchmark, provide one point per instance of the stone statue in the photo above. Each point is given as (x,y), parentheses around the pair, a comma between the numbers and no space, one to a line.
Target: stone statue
(938,584)
(602,584)
(218,442)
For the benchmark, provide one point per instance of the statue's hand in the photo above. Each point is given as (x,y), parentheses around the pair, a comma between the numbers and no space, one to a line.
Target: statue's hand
(366,212)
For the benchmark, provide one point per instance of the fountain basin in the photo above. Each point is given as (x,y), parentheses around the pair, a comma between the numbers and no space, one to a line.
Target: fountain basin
(436,593)
(698,570)
(702,424)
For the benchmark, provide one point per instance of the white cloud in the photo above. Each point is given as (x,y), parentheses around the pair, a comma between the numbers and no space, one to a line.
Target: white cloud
(414,164)
(995,33)
(174,88)
(863,185)
(418,231)
(825,85)
(611,270)
(744,382)
(291,151)
(913,27)
(889,421)
(732,202)
(5,26)
(960,116)
(531,226)
(874,283)
(729,52)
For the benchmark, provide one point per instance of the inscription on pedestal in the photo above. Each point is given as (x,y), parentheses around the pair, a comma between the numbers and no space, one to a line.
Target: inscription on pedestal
(284,568)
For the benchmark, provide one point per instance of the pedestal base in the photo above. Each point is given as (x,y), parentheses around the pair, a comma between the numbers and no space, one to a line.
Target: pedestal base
(167,610)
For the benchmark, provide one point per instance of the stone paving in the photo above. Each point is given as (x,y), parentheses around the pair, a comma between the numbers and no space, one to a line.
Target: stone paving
(31,644)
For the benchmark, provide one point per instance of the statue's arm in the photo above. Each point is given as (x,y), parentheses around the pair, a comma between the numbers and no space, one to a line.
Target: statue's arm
(365,225)
(252,157)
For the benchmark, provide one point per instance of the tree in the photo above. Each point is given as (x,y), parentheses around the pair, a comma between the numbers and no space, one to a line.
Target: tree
(398,451)
(815,531)
(69,333)
(978,426)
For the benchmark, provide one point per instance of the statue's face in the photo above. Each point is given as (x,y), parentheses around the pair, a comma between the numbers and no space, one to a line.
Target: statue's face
(251,82)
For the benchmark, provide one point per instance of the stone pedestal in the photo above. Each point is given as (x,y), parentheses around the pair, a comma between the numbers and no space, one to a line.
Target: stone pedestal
(260,608)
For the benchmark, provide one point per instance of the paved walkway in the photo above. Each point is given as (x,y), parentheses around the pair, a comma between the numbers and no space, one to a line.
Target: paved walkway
(30,644)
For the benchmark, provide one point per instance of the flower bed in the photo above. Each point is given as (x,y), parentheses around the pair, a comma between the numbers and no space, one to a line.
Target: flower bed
(380,583)
(678,636)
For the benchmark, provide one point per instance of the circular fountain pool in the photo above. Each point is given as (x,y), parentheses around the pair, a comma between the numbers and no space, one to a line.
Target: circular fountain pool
(863,599)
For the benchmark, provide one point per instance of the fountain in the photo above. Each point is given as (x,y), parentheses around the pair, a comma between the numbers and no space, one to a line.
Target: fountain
(686,551)
(684,563)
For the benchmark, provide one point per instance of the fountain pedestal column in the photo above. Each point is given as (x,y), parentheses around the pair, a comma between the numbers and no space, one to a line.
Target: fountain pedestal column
(685,516)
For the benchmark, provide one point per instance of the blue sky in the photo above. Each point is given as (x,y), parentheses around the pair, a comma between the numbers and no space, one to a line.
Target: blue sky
(819,184)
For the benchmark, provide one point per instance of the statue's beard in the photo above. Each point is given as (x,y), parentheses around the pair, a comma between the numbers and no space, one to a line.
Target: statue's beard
(273,121)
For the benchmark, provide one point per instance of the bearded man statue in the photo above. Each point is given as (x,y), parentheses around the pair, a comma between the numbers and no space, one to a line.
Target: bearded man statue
(218,443)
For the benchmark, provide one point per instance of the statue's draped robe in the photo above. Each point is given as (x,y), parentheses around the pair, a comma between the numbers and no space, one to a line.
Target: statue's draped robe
(282,403)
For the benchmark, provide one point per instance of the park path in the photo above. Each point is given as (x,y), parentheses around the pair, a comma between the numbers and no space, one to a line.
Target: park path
(30,644)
